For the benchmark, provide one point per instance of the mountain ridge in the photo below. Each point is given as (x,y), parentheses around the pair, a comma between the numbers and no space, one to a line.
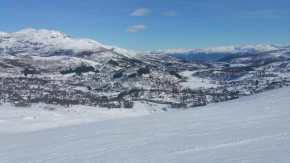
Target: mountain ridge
(82,44)
(42,42)
(228,49)
(216,53)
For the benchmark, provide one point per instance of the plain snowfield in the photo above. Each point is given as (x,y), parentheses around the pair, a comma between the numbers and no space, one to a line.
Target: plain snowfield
(38,117)
(252,129)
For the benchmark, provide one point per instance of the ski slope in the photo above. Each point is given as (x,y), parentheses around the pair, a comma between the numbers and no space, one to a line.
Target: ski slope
(252,129)
(42,116)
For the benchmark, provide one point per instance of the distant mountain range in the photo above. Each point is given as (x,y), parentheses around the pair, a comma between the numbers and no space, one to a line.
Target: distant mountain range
(216,53)
(53,43)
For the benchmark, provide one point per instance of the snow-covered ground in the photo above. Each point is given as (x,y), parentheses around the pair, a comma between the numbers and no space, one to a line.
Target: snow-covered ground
(196,82)
(251,129)
(38,117)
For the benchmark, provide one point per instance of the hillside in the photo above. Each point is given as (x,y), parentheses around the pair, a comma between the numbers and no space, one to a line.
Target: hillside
(251,129)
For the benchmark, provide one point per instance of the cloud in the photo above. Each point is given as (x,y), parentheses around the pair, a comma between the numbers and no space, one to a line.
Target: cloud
(140,12)
(136,28)
(170,13)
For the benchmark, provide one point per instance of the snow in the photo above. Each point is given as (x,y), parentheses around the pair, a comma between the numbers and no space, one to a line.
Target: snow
(251,129)
(226,49)
(196,82)
(280,53)
(42,116)
(43,42)
(3,33)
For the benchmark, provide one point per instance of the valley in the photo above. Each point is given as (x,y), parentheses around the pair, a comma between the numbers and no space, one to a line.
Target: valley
(49,67)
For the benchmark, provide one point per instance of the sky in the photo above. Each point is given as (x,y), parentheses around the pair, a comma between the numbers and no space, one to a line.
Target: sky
(155,24)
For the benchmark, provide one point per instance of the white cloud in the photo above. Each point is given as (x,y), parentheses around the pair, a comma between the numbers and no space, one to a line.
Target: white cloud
(170,13)
(140,12)
(136,28)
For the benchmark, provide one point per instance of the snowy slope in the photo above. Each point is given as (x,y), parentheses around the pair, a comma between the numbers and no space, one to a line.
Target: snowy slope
(252,129)
(3,33)
(43,116)
(49,43)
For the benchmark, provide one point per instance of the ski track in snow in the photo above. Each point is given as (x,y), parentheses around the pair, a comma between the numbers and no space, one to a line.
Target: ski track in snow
(252,129)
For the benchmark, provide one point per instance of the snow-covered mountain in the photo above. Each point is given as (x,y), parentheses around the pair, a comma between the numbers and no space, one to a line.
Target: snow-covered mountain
(53,62)
(55,43)
(44,66)
(260,58)
(3,33)
(51,43)
(216,53)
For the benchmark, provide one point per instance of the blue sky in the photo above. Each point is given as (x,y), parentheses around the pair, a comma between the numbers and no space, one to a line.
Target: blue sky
(155,24)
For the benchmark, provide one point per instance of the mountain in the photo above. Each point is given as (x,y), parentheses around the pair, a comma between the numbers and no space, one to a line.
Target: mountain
(46,43)
(216,53)
(86,69)
(47,66)
(252,129)
(263,58)
(3,33)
